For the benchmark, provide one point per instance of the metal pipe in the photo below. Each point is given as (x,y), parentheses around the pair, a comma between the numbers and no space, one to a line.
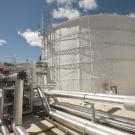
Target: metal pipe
(95,125)
(101,118)
(0,93)
(44,100)
(97,94)
(64,128)
(12,75)
(1,104)
(18,102)
(120,101)
(3,128)
(19,130)
(76,124)
(98,113)
(83,125)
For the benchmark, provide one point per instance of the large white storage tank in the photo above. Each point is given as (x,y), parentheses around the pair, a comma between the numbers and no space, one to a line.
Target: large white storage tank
(95,54)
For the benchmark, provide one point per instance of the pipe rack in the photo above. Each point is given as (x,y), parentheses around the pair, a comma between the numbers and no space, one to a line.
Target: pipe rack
(81,124)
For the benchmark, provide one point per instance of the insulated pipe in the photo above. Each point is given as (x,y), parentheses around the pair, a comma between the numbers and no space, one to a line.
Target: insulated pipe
(97,94)
(83,125)
(19,130)
(44,100)
(18,102)
(97,126)
(1,103)
(99,113)
(13,75)
(0,93)
(77,125)
(117,123)
(127,102)
(64,128)
(3,128)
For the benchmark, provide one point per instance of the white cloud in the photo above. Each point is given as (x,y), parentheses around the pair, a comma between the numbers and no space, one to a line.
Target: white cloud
(2,42)
(31,37)
(66,13)
(62,2)
(88,4)
(132,15)
(50,1)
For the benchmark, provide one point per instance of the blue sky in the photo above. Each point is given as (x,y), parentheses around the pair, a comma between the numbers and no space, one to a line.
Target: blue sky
(20,19)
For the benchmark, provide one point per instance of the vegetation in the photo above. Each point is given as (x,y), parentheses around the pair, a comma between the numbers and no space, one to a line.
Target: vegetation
(8,64)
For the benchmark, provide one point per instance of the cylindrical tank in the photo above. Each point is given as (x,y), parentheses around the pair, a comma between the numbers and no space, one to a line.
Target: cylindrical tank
(95,54)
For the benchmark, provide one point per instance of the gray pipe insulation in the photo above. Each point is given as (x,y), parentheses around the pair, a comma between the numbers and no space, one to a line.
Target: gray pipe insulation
(126,102)
(18,108)
(3,127)
(101,118)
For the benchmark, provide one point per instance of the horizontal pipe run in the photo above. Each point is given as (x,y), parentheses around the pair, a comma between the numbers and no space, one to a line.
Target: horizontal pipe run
(64,128)
(84,125)
(96,126)
(98,113)
(127,103)
(19,130)
(92,94)
(85,115)
(76,124)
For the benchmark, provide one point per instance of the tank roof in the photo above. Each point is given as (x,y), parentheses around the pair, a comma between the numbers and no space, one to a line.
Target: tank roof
(73,22)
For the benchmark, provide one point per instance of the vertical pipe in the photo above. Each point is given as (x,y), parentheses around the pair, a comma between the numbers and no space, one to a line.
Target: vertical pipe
(1,104)
(18,102)
(3,128)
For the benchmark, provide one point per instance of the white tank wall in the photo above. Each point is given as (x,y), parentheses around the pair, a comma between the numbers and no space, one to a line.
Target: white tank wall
(113,53)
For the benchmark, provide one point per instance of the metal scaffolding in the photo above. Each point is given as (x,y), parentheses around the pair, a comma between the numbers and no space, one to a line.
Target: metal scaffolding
(47,35)
(86,54)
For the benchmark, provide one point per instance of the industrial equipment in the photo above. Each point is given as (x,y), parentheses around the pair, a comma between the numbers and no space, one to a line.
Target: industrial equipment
(83,79)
